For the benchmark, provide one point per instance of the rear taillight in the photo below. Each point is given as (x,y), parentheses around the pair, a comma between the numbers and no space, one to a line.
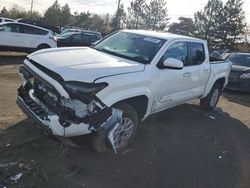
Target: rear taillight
(55,39)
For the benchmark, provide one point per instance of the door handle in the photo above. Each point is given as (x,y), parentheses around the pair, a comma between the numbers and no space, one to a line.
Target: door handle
(187,74)
(206,70)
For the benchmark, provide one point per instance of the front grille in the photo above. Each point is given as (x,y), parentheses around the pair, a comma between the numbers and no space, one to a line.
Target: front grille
(44,91)
(36,108)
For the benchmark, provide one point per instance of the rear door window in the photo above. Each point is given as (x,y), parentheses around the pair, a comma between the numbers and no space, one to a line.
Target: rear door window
(32,30)
(87,38)
(197,53)
(76,38)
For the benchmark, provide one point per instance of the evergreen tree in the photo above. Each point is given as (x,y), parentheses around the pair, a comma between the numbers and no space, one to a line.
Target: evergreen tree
(207,22)
(4,12)
(156,15)
(185,26)
(66,17)
(136,14)
(119,19)
(151,16)
(53,14)
(233,25)
(82,19)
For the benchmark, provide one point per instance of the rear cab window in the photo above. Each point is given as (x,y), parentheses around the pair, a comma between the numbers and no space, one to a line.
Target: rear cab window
(196,53)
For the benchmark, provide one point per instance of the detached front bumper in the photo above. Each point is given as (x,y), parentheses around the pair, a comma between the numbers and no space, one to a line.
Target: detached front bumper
(33,116)
(50,124)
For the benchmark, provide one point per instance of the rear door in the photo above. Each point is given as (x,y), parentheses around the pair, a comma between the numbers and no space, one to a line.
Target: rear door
(198,69)
(75,40)
(31,36)
(88,39)
(178,86)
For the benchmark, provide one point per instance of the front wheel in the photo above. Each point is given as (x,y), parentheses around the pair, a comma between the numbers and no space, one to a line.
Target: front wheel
(124,133)
(210,101)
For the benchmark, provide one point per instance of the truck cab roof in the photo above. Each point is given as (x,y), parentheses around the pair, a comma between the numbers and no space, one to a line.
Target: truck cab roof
(163,35)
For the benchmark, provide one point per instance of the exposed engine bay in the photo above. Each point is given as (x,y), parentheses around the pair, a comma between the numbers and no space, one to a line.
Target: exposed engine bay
(61,116)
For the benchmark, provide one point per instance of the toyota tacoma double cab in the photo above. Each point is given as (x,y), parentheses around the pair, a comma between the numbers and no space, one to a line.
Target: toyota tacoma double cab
(106,90)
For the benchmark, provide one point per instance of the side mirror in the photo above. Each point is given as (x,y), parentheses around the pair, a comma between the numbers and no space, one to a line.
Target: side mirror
(173,63)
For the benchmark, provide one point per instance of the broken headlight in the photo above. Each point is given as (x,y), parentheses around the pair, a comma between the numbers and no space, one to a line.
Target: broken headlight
(83,91)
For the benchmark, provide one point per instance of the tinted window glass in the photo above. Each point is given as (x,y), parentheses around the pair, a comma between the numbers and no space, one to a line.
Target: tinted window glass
(197,55)
(86,38)
(178,50)
(0,20)
(42,32)
(27,29)
(240,59)
(10,28)
(75,38)
(89,38)
(32,30)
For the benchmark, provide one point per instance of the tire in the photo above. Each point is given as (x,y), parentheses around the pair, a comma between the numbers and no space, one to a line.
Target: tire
(130,118)
(42,46)
(210,101)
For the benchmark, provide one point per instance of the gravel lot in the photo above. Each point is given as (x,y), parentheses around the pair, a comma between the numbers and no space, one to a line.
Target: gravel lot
(183,147)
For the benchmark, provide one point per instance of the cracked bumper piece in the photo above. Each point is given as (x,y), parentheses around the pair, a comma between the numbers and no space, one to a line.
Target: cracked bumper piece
(49,123)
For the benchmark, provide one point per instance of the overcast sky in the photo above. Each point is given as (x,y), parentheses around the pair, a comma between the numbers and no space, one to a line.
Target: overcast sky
(176,8)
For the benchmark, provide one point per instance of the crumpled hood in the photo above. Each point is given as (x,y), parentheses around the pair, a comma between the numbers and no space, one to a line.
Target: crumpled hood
(83,63)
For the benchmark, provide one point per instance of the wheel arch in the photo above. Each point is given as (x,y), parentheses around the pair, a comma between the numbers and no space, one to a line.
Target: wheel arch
(220,79)
(43,45)
(139,103)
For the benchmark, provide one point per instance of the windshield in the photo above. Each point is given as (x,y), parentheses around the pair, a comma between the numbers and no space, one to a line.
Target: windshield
(240,59)
(131,46)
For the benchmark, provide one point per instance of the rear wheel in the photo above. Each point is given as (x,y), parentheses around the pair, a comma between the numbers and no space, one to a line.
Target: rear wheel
(209,102)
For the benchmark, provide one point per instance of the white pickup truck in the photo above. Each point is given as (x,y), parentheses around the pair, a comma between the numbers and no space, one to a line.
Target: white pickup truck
(106,90)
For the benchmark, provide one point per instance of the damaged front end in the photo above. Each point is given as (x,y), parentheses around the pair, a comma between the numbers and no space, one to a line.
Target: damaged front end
(79,114)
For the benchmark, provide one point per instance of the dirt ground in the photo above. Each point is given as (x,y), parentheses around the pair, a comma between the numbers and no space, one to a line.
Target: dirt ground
(183,147)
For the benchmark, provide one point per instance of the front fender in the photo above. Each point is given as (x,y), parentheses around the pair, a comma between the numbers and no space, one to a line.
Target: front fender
(127,86)
(112,97)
